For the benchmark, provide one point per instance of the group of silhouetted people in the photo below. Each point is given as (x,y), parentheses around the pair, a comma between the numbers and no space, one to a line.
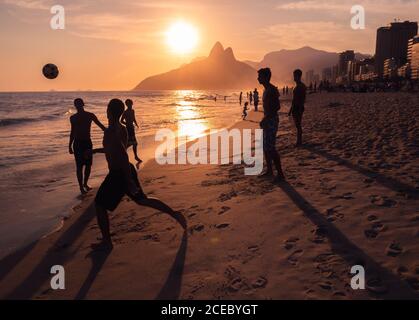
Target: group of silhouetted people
(270,121)
(122,176)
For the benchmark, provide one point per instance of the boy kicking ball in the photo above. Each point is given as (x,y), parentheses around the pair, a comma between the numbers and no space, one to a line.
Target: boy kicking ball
(122,177)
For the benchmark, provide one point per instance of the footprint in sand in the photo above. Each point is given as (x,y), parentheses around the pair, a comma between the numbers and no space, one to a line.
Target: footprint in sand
(320,234)
(326,285)
(376,228)
(293,258)
(260,283)
(227,196)
(222,225)
(223,210)
(196,228)
(394,249)
(382,201)
(290,243)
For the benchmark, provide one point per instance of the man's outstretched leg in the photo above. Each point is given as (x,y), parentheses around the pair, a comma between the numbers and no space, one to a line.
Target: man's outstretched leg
(157,204)
(269,170)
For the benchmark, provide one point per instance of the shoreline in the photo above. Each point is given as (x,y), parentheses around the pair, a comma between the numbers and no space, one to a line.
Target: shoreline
(350,198)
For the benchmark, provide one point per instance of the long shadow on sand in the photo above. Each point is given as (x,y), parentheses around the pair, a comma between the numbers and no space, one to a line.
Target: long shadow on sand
(56,255)
(98,260)
(341,245)
(172,286)
(9,262)
(388,182)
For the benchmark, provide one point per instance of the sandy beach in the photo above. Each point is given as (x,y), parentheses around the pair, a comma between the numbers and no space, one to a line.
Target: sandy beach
(351,198)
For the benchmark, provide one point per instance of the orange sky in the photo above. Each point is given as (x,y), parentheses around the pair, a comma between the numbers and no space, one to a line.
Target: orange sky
(113,45)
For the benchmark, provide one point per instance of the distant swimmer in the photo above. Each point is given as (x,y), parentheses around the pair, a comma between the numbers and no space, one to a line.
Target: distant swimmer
(122,177)
(81,144)
(256,99)
(129,120)
(241,98)
(270,123)
(297,105)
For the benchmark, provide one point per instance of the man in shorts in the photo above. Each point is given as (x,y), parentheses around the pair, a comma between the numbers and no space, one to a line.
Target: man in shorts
(81,144)
(122,177)
(270,123)
(297,106)
(128,119)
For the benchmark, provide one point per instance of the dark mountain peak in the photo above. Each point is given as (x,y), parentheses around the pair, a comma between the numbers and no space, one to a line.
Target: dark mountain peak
(217,50)
(229,54)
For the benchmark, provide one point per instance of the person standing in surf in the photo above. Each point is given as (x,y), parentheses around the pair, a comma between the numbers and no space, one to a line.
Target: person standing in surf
(81,144)
(129,120)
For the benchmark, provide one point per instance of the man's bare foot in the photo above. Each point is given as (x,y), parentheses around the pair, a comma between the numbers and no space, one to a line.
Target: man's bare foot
(82,191)
(266,174)
(87,188)
(138,160)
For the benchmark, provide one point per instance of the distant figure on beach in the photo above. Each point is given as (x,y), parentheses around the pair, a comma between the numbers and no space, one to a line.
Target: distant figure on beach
(256,99)
(81,144)
(283,90)
(122,177)
(250,97)
(245,110)
(241,98)
(225,98)
(270,123)
(297,105)
(286,90)
(129,120)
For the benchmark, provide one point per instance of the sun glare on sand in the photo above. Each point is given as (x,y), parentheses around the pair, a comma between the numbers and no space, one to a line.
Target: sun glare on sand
(182,37)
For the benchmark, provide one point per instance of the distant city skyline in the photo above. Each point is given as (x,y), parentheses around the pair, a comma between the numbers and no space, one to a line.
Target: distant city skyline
(112,45)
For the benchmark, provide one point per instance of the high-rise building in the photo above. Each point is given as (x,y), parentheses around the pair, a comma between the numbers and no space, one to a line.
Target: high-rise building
(335,73)
(327,74)
(413,57)
(309,77)
(344,58)
(392,42)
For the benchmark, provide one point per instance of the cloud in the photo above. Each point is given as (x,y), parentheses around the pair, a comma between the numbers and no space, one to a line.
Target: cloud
(325,35)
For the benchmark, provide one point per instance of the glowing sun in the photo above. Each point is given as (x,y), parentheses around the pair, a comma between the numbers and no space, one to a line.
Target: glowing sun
(182,37)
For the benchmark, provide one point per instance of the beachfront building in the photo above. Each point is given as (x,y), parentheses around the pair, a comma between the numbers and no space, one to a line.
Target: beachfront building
(344,59)
(327,74)
(309,77)
(413,57)
(335,74)
(392,42)
(390,68)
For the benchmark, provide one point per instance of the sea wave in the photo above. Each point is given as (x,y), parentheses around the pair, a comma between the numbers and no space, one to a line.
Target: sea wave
(18,121)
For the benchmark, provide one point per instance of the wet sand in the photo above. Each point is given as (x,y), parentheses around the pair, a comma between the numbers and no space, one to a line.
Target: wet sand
(351,198)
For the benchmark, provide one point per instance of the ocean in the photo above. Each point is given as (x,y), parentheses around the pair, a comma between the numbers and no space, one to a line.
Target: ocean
(38,185)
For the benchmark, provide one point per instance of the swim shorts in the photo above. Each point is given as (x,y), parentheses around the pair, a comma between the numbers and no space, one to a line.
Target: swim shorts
(83,152)
(114,188)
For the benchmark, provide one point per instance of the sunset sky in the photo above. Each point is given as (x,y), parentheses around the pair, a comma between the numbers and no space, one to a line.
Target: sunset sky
(113,45)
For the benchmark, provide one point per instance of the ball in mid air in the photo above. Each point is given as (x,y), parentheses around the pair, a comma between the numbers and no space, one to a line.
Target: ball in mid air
(50,71)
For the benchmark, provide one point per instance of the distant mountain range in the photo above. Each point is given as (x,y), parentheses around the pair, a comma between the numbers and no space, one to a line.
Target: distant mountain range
(284,62)
(221,70)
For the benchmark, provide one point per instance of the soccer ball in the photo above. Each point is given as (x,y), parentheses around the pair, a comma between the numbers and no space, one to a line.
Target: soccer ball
(50,71)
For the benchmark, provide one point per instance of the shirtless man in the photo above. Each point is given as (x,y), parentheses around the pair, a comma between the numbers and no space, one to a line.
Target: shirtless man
(297,106)
(270,123)
(128,119)
(122,177)
(80,143)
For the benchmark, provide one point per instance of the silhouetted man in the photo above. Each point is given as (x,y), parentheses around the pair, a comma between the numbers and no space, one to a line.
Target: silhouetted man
(256,99)
(81,144)
(297,105)
(241,98)
(122,177)
(129,120)
(269,123)
(250,97)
